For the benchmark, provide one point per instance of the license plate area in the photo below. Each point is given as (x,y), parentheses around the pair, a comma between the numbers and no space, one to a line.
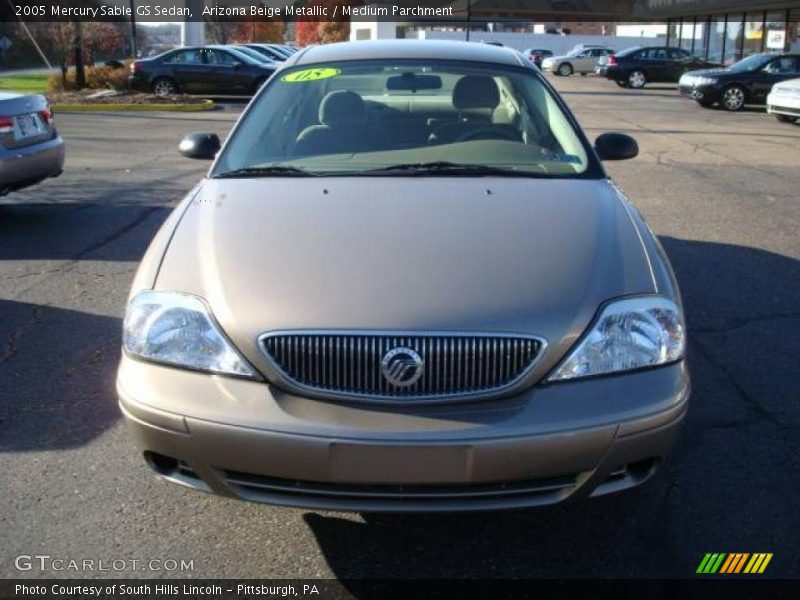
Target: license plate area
(27,126)
(367,463)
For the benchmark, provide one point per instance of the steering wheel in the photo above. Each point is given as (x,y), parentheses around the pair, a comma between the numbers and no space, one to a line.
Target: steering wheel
(487,133)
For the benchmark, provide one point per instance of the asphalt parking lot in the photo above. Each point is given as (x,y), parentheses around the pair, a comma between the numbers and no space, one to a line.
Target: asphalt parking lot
(721,191)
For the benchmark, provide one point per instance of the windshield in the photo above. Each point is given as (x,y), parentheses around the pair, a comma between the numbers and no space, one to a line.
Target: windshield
(387,116)
(751,63)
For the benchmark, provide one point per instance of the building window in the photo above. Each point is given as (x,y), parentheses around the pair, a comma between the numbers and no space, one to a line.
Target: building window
(776,38)
(793,31)
(753,34)
(716,39)
(733,39)
(688,35)
(673,32)
(701,37)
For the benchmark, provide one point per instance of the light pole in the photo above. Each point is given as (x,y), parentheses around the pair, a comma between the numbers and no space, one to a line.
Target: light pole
(133,29)
(80,74)
(469,15)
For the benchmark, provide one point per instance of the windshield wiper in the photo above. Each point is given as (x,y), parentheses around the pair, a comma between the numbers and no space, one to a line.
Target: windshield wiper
(448,168)
(271,171)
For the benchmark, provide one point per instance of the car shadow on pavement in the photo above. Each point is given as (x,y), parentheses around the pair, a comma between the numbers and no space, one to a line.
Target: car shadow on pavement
(737,457)
(78,231)
(57,370)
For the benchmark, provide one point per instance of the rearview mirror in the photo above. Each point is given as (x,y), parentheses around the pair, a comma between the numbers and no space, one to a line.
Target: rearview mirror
(615,146)
(412,82)
(200,145)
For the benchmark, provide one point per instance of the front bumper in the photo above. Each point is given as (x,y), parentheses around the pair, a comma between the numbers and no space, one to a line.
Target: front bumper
(702,93)
(783,103)
(252,441)
(25,166)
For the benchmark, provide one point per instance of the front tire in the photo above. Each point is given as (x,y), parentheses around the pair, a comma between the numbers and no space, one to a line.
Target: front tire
(565,70)
(637,80)
(733,98)
(164,86)
(786,119)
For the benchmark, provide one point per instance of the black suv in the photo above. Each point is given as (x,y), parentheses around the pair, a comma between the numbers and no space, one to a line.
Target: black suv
(638,66)
(201,70)
(745,82)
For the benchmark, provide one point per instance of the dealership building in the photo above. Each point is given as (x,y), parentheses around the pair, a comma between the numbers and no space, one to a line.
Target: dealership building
(721,31)
(725,30)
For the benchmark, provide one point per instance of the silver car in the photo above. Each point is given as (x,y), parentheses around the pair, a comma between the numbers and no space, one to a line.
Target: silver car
(405,284)
(30,147)
(582,59)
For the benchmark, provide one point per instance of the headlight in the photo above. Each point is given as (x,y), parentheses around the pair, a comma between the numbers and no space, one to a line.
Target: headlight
(178,329)
(686,80)
(705,80)
(631,333)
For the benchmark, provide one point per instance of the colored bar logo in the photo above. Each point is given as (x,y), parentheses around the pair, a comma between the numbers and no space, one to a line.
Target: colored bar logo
(733,563)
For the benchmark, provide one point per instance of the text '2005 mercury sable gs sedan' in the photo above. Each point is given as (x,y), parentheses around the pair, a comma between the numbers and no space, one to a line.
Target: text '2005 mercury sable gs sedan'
(406,284)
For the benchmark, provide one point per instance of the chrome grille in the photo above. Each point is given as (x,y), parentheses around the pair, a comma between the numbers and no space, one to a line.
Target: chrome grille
(350,363)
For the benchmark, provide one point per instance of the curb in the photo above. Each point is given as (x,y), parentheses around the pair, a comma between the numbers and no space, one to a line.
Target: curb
(199,107)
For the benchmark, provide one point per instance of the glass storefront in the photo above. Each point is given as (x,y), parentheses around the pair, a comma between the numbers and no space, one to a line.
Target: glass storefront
(733,39)
(700,29)
(687,39)
(753,34)
(728,38)
(775,27)
(716,39)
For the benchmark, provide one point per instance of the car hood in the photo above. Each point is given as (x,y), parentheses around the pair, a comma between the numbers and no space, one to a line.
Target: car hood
(710,72)
(408,253)
(789,84)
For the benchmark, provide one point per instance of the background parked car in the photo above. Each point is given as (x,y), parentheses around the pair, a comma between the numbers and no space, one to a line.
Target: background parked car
(201,69)
(581,60)
(537,55)
(784,101)
(745,82)
(30,147)
(269,51)
(249,52)
(638,66)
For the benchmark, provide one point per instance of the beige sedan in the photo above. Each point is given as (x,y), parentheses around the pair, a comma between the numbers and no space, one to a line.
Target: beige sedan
(405,284)
(582,60)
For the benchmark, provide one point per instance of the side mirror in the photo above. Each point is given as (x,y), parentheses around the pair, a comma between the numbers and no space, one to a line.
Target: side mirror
(615,146)
(200,145)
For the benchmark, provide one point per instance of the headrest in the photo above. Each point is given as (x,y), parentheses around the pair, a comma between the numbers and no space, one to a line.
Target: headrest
(475,91)
(342,109)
